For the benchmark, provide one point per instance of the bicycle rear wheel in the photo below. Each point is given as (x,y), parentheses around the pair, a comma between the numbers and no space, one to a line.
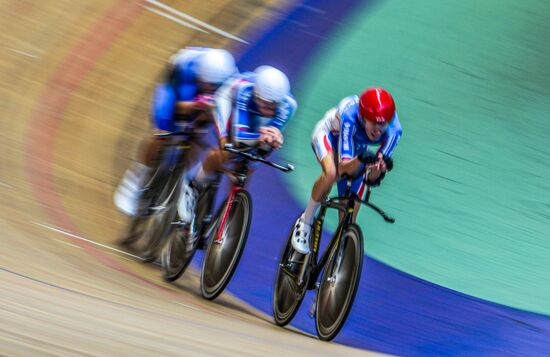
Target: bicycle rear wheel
(182,242)
(287,295)
(222,257)
(339,284)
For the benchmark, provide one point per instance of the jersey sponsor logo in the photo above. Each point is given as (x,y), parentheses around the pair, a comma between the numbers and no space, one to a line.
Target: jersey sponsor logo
(345,136)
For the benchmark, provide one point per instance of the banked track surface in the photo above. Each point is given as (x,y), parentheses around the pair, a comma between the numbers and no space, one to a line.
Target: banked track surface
(69,86)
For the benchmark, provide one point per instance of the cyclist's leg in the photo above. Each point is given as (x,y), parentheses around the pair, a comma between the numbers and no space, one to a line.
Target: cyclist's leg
(217,157)
(326,155)
(214,162)
(136,178)
(358,186)
(323,148)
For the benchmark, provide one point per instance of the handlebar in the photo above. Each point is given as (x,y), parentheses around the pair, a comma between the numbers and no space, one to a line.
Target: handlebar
(368,162)
(331,202)
(255,157)
(379,211)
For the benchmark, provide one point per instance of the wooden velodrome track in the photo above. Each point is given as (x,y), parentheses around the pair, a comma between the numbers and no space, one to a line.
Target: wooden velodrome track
(76,78)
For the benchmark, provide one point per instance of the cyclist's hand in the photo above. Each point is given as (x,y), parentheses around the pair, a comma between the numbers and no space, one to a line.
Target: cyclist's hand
(204,102)
(389,162)
(367,158)
(271,136)
(377,169)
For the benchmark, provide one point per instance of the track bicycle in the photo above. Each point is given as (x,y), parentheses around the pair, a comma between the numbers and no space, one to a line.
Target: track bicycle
(231,228)
(339,267)
(157,207)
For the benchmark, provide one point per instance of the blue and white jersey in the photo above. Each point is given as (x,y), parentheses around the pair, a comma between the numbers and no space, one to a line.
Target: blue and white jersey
(238,114)
(353,137)
(180,85)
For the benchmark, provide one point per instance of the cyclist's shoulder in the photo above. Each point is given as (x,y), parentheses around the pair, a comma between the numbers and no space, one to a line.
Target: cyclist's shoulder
(347,107)
(289,102)
(248,78)
(347,111)
(243,83)
(395,128)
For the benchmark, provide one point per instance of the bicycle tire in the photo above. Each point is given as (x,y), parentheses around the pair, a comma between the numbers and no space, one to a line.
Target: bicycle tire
(339,284)
(146,231)
(221,259)
(287,295)
(176,256)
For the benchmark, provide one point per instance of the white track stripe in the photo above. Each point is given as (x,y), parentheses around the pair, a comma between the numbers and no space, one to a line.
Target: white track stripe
(5,185)
(196,21)
(86,240)
(22,53)
(67,243)
(181,22)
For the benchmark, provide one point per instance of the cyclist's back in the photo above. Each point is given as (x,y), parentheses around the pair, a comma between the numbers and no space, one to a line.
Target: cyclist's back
(181,102)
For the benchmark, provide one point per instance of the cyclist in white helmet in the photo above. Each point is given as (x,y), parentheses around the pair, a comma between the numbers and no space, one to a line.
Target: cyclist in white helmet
(251,110)
(182,102)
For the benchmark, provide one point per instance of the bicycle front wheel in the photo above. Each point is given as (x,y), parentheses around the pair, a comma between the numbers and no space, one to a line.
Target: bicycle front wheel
(339,284)
(147,233)
(223,254)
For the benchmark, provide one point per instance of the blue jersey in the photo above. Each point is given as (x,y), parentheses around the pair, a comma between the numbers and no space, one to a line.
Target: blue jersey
(180,85)
(238,109)
(353,137)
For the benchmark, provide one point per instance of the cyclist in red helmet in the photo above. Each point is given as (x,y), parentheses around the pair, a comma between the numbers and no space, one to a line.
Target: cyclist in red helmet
(360,130)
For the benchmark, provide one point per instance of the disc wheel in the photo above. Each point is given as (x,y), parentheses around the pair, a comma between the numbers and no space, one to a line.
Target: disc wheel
(223,255)
(339,284)
(287,295)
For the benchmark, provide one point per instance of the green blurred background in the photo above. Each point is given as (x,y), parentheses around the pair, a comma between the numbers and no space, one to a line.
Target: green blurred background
(470,189)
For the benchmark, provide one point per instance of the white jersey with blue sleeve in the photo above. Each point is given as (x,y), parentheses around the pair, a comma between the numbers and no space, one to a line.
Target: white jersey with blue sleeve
(238,114)
(341,131)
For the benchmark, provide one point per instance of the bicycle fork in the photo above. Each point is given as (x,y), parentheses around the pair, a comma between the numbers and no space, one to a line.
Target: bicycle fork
(227,209)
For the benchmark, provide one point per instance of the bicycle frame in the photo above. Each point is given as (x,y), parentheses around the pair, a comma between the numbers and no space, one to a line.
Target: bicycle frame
(348,209)
(240,181)
(239,177)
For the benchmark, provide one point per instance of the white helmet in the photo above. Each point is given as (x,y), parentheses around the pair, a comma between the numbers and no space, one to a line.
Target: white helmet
(216,66)
(271,84)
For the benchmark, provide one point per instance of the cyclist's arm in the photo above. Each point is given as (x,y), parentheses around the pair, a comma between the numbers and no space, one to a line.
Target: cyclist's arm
(186,107)
(348,164)
(392,136)
(272,134)
(284,113)
(182,77)
(242,133)
(225,97)
(190,106)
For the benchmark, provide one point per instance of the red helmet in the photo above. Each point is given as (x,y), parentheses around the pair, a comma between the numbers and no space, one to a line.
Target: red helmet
(376,105)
